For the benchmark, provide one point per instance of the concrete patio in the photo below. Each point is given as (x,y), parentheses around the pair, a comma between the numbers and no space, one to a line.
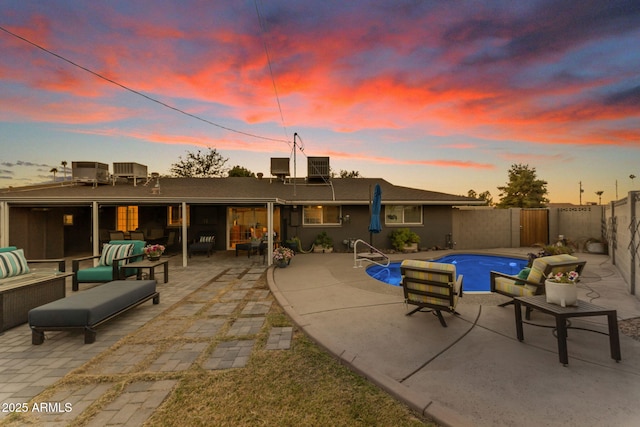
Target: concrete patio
(474,372)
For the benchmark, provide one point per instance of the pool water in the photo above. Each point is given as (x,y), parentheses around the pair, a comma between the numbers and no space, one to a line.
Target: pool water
(474,268)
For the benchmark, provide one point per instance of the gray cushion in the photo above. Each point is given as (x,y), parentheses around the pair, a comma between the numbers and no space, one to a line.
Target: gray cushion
(91,306)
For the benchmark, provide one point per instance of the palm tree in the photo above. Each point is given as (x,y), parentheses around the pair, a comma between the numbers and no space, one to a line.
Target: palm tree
(54,171)
(599,193)
(64,168)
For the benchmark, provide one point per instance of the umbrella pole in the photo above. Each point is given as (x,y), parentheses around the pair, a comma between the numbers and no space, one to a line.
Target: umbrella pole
(370,212)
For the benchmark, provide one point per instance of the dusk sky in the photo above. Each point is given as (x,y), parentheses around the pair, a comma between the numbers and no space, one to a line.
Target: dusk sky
(438,95)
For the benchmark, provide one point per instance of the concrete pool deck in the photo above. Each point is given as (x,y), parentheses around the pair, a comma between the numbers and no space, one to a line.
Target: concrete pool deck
(475,371)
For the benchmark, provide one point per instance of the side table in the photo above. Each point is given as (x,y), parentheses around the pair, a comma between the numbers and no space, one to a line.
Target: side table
(561,314)
(151,265)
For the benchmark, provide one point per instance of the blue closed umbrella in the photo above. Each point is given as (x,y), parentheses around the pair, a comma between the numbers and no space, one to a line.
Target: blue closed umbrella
(376,207)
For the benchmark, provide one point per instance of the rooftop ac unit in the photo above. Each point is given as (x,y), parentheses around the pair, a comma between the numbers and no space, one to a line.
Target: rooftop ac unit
(318,168)
(280,167)
(90,172)
(129,170)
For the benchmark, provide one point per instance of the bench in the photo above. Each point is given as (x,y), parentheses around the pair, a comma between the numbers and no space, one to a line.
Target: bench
(89,309)
(28,287)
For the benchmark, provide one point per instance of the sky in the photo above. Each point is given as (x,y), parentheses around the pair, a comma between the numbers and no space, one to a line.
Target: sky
(438,95)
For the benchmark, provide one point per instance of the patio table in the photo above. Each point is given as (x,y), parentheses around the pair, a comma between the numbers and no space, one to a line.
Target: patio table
(148,264)
(561,314)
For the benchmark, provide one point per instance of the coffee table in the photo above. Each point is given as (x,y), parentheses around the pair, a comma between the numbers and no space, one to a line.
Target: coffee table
(562,314)
(151,265)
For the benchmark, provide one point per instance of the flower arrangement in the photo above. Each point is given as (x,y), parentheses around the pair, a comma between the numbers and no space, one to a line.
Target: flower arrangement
(282,254)
(153,250)
(568,277)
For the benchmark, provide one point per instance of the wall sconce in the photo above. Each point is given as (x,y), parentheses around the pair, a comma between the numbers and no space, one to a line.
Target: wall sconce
(345,219)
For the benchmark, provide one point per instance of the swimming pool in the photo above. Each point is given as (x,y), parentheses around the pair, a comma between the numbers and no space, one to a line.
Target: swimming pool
(475,269)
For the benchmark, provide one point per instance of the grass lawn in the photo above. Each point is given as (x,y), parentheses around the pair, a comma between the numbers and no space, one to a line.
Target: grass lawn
(300,386)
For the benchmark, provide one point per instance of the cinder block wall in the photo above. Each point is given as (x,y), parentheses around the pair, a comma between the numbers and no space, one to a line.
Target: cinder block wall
(623,236)
(482,228)
(486,228)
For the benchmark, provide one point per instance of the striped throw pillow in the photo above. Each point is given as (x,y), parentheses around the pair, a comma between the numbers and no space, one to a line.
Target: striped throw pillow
(13,263)
(111,252)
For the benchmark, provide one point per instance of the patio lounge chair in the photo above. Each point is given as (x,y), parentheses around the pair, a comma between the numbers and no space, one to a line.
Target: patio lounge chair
(432,286)
(533,283)
(205,242)
(114,254)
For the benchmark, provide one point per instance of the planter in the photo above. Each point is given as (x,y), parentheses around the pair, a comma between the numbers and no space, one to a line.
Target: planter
(410,247)
(282,264)
(563,294)
(153,257)
(596,248)
(322,249)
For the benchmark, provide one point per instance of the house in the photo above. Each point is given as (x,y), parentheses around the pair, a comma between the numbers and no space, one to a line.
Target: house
(57,220)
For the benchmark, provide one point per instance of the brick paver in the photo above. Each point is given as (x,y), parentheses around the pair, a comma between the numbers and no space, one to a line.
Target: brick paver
(256,308)
(246,326)
(230,354)
(280,338)
(198,308)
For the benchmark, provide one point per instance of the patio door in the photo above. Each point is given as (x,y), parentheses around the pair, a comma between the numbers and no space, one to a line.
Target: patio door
(250,222)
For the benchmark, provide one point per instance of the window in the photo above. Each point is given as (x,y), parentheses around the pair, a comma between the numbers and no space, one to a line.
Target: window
(174,216)
(127,218)
(321,215)
(402,214)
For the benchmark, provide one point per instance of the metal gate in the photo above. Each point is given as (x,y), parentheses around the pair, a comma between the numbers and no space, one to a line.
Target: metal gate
(534,226)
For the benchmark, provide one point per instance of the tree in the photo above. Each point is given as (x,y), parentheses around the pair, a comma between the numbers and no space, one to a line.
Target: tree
(485,195)
(349,174)
(200,165)
(523,190)
(241,171)
(64,168)
(54,171)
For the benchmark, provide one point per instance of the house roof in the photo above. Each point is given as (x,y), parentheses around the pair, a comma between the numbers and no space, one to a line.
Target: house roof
(232,190)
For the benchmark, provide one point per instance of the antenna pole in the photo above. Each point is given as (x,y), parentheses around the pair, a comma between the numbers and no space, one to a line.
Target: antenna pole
(294,163)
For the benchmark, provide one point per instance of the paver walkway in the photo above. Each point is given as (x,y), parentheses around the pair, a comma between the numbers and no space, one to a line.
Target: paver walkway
(208,318)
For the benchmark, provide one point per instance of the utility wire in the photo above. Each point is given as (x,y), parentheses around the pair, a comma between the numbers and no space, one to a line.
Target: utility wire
(140,93)
(266,50)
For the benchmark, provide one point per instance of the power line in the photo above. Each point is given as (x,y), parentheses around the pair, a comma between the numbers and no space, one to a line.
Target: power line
(164,104)
(266,50)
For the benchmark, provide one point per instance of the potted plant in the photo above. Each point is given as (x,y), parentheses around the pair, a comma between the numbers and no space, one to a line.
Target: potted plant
(323,243)
(153,252)
(292,244)
(404,240)
(560,288)
(596,246)
(282,256)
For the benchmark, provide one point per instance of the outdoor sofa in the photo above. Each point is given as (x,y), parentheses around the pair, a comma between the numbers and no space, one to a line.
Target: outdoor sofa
(24,286)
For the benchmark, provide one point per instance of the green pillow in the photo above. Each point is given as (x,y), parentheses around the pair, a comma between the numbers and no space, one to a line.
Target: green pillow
(524,273)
